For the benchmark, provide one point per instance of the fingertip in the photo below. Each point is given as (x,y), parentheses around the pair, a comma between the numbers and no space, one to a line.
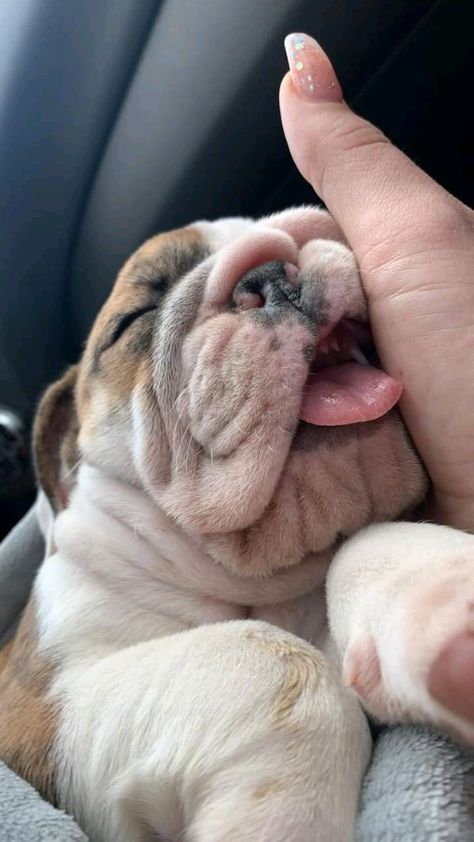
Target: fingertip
(312,73)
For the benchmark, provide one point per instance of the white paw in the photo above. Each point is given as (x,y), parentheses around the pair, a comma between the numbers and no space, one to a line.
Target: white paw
(410,649)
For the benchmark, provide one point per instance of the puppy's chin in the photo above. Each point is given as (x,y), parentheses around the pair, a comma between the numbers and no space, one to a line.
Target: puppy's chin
(261,489)
(335,481)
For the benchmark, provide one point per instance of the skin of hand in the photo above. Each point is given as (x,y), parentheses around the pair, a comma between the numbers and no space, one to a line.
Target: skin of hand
(414,244)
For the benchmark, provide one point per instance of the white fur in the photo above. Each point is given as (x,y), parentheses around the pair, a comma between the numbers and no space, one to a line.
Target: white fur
(125,605)
(407,590)
(159,706)
(224,231)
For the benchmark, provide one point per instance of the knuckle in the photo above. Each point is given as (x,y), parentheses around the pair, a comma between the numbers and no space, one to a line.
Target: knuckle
(432,228)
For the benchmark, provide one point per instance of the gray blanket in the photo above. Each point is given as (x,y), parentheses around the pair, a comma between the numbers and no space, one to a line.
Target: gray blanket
(419,787)
(25,817)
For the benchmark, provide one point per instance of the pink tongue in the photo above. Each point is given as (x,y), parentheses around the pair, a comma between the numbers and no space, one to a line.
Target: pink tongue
(349,393)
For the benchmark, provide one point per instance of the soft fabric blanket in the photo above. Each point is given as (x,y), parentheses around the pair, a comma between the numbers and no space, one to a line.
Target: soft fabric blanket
(25,817)
(419,787)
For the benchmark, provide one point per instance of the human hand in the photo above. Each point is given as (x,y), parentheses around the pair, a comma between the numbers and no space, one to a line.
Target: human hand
(414,244)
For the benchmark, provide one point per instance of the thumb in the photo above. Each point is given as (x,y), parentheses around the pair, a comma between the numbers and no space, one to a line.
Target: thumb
(380,199)
(414,245)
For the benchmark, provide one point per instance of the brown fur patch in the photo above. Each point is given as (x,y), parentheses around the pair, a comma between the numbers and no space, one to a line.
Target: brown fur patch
(268,788)
(142,282)
(55,434)
(5,653)
(302,669)
(27,719)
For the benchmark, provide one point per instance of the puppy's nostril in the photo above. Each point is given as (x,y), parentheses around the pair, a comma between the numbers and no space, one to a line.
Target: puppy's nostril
(265,285)
(248,300)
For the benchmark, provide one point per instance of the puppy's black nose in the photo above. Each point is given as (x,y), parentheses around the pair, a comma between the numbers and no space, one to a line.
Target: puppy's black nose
(271,288)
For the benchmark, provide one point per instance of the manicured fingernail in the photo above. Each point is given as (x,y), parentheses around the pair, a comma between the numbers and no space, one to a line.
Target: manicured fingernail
(312,72)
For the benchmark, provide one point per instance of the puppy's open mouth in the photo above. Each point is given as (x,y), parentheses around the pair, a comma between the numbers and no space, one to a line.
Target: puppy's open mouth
(346,384)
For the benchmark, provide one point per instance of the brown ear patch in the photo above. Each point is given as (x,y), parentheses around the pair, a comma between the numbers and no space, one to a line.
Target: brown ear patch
(5,653)
(55,433)
(27,719)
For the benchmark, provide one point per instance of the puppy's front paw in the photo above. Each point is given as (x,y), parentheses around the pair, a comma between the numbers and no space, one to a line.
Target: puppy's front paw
(410,650)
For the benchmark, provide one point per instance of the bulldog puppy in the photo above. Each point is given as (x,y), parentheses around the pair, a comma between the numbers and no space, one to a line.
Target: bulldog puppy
(177,673)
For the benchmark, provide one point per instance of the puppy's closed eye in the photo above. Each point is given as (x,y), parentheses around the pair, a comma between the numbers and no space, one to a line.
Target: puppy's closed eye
(123,323)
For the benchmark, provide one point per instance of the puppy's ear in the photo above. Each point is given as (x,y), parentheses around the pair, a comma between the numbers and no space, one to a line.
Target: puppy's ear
(55,433)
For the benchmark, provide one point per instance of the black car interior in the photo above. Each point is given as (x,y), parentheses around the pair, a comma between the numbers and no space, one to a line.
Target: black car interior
(120,118)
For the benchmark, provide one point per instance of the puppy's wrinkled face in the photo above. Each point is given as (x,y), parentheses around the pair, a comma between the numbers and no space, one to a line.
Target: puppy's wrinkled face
(220,377)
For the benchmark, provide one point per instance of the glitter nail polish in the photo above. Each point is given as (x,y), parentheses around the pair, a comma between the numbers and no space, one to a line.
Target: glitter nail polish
(311,71)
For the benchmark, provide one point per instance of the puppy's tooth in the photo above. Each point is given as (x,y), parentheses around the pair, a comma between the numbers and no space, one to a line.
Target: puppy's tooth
(323,347)
(335,343)
(358,356)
